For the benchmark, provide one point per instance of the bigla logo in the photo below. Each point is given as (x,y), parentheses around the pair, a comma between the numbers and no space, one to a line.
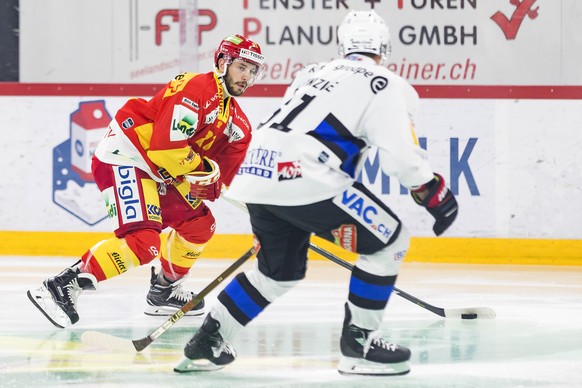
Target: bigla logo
(510,26)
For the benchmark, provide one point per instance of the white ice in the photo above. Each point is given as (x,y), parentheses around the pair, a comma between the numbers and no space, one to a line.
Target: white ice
(535,341)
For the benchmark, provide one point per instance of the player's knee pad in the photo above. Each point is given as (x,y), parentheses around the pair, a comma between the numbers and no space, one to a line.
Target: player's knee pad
(200,229)
(178,255)
(144,243)
(270,289)
(388,260)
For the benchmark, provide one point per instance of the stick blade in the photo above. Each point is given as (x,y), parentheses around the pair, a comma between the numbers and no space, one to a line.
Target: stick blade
(480,312)
(100,340)
(142,343)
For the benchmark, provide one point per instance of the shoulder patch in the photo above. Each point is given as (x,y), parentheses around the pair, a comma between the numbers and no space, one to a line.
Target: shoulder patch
(178,83)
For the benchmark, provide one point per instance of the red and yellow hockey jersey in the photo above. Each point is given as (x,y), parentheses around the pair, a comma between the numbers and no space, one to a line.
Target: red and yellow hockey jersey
(167,135)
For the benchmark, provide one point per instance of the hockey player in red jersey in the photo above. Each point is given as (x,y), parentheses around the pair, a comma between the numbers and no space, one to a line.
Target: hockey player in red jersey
(159,161)
(299,178)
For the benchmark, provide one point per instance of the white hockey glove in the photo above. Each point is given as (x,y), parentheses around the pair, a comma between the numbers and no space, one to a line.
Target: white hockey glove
(205,181)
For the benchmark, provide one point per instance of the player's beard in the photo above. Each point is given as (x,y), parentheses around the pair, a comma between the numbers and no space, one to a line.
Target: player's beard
(232,87)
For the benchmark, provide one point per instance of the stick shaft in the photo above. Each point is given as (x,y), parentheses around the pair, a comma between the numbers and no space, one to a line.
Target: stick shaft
(141,344)
(437,310)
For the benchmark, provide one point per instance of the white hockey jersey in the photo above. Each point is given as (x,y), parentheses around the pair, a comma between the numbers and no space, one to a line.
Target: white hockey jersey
(313,146)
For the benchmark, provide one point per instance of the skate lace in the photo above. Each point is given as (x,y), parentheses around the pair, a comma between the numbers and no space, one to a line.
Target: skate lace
(374,340)
(223,348)
(180,293)
(73,291)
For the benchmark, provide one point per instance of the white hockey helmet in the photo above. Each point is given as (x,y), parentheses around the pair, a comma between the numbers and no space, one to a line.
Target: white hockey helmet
(364,32)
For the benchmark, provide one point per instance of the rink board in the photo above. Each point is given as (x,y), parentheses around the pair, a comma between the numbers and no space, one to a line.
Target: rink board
(510,154)
(422,249)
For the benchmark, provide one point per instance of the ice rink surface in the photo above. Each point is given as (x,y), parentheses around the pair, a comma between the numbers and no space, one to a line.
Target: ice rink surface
(535,340)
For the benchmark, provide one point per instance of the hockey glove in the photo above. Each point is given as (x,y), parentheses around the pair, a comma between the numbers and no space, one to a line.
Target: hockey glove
(438,201)
(205,181)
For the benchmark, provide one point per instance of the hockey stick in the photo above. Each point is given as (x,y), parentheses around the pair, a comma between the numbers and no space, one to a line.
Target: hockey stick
(463,313)
(99,339)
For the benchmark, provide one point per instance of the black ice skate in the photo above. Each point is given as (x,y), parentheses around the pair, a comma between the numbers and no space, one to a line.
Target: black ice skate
(207,350)
(168,299)
(57,297)
(365,353)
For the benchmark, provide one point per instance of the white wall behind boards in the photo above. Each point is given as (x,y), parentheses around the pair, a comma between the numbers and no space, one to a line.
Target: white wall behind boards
(479,42)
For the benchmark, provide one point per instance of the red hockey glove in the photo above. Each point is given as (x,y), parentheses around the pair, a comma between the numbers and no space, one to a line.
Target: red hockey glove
(438,201)
(205,181)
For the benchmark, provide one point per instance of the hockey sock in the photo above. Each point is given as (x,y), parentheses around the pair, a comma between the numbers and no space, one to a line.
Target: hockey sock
(242,300)
(109,258)
(368,297)
(115,256)
(178,255)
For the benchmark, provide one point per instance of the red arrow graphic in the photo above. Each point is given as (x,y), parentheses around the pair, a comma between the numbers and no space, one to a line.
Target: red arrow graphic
(511,26)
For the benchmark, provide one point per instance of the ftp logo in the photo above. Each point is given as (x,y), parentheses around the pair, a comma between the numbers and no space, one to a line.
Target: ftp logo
(166,17)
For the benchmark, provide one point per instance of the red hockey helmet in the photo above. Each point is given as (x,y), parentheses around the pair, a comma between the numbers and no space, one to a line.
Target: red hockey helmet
(235,47)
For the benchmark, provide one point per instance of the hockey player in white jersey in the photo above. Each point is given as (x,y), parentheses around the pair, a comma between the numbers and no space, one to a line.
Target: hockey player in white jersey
(299,178)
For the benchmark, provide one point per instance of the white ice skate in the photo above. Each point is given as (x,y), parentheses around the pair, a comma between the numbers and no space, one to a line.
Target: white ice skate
(43,300)
(57,297)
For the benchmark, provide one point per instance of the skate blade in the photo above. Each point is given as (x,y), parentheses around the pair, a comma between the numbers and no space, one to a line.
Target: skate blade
(43,301)
(186,366)
(160,311)
(358,366)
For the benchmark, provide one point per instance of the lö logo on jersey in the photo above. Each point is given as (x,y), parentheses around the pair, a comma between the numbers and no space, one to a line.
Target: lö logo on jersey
(289,170)
(73,186)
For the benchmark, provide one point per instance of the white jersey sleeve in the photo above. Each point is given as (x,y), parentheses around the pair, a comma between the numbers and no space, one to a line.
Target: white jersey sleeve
(389,123)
